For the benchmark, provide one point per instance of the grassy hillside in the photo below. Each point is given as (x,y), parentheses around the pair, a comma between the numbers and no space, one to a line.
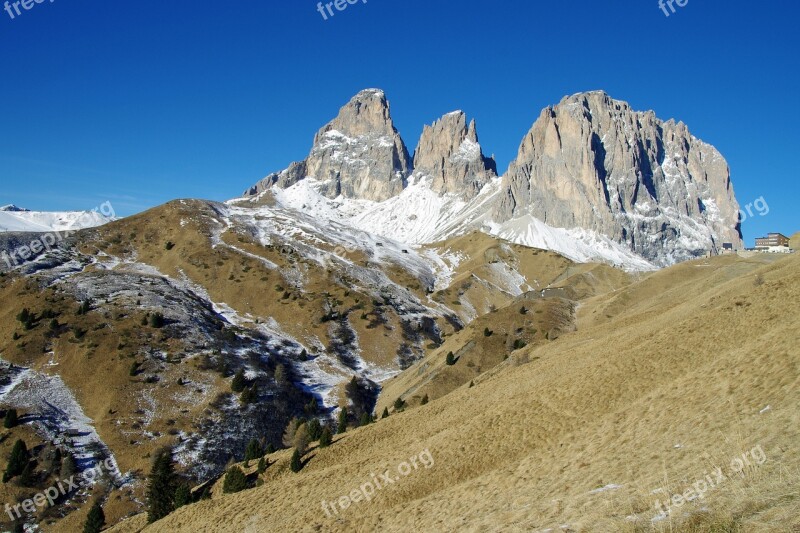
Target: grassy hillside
(795,241)
(687,370)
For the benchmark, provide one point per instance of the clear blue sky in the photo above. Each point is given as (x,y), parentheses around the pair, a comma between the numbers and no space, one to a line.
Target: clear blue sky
(140,102)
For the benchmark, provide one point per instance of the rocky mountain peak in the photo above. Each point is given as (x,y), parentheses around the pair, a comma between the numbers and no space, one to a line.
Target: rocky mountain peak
(592,162)
(449,152)
(359,154)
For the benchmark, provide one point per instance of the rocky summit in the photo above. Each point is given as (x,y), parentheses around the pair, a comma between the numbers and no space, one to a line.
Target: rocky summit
(614,177)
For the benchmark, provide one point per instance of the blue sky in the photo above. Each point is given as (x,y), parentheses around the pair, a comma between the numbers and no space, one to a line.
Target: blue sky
(140,102)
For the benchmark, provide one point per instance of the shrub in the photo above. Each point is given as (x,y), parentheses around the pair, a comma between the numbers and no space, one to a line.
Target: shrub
(157,321)
(85,307)
(134,369)
(451,359)
(487,332)
(385,413)
(365,419)
(262,465)
(519,344)
(235,481)
(169,245)
(54,324)
(95,520)
(523,310)
(399,404)
(424,400)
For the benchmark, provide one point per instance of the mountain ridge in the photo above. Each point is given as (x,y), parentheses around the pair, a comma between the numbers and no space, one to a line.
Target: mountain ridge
(589,164)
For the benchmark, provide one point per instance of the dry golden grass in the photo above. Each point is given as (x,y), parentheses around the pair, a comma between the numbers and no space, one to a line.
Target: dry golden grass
(662,381)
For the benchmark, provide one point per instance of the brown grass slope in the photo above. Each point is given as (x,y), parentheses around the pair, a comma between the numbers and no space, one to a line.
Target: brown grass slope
(662,382)
(794,242)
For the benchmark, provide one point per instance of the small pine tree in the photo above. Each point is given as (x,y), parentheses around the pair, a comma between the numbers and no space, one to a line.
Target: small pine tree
(451,359)
(471,384)
(523,310)
(365,419)
(95,520)
(297,461)
(18,460)
(11,420)
(342,426)
(161,487)
(399,404)
(54,325)
(183,495)
(26,476)
(235,480)
(24,315)
(424,400)
(385,413)
(269,449)
(250,395)
(239,382)
(253,451)
(487,332)
(262,465)
(326,438)
(314,429)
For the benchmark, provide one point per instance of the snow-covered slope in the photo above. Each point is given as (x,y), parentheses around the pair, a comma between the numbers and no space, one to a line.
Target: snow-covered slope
(418,215)
(13,218)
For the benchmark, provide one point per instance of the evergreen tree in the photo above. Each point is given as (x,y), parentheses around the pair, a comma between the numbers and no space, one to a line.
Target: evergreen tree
(399,404)
(365,419)
(253,451)
(250,395)
(262,465)
(17,461)
(314,429)
(24,315)
(26,477)
(239,382)
(161,488)
(183,495)
(342,427)
(297,461)
(424,400)
(451,359)
(385,413)
(11,419)
(235,480)
(95,520)
(269,449)
(326,437)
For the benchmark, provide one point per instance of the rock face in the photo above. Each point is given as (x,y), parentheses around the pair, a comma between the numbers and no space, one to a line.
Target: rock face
(592,162)
(589,163)
(359,154)
(449,152)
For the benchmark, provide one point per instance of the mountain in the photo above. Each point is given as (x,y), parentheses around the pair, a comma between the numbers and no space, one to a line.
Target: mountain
(593,179)
(594,163)
(359,154)
(664,410)
(16,219)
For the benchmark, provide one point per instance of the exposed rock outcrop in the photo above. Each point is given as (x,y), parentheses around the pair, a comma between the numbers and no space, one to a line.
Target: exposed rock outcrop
(449,152)
(359,154)
(592,162)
